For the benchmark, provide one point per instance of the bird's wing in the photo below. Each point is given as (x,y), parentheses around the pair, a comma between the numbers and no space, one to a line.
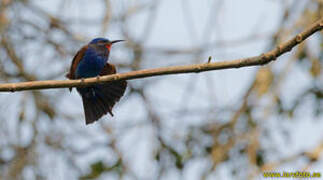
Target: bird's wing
(108,69)
(76,60)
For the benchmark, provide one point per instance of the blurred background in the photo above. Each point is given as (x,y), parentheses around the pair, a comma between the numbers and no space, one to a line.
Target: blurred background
(228,124)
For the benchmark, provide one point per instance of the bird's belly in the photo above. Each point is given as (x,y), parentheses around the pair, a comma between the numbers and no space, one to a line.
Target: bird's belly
(89,68)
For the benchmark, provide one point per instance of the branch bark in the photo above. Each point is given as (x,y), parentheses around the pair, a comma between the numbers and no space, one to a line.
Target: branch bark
(262,59)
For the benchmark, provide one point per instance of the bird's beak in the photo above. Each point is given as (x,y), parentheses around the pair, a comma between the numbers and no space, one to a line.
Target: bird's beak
(115,41)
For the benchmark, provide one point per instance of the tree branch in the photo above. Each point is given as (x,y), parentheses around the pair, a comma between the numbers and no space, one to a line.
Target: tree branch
(251,61)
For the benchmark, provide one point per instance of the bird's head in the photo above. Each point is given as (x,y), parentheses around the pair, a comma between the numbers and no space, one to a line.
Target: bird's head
(103,42)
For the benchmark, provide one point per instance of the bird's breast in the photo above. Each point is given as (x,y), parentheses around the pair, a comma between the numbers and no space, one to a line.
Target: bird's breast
(91,65)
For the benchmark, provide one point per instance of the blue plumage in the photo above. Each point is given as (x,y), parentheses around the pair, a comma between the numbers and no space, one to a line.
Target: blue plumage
(91,64)
(96,40)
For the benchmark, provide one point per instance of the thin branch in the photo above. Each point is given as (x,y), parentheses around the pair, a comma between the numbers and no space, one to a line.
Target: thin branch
(251,61)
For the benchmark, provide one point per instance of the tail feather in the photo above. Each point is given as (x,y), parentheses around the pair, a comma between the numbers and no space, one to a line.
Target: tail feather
(89,109)
(106,103)
(99,100)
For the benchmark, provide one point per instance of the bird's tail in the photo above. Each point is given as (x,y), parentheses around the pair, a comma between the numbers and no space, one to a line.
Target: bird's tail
(99,99)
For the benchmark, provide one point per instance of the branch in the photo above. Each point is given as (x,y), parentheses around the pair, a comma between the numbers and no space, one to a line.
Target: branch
(251,61)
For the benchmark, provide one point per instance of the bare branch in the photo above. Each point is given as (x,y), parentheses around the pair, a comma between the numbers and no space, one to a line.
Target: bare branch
(251,61)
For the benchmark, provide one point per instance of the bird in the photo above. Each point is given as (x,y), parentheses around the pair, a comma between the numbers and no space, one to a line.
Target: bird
(92,61)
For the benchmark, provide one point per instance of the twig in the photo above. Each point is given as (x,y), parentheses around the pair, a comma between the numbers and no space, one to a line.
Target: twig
(251,61)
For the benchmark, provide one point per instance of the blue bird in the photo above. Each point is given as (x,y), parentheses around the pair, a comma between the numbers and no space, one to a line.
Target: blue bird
(91,61)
